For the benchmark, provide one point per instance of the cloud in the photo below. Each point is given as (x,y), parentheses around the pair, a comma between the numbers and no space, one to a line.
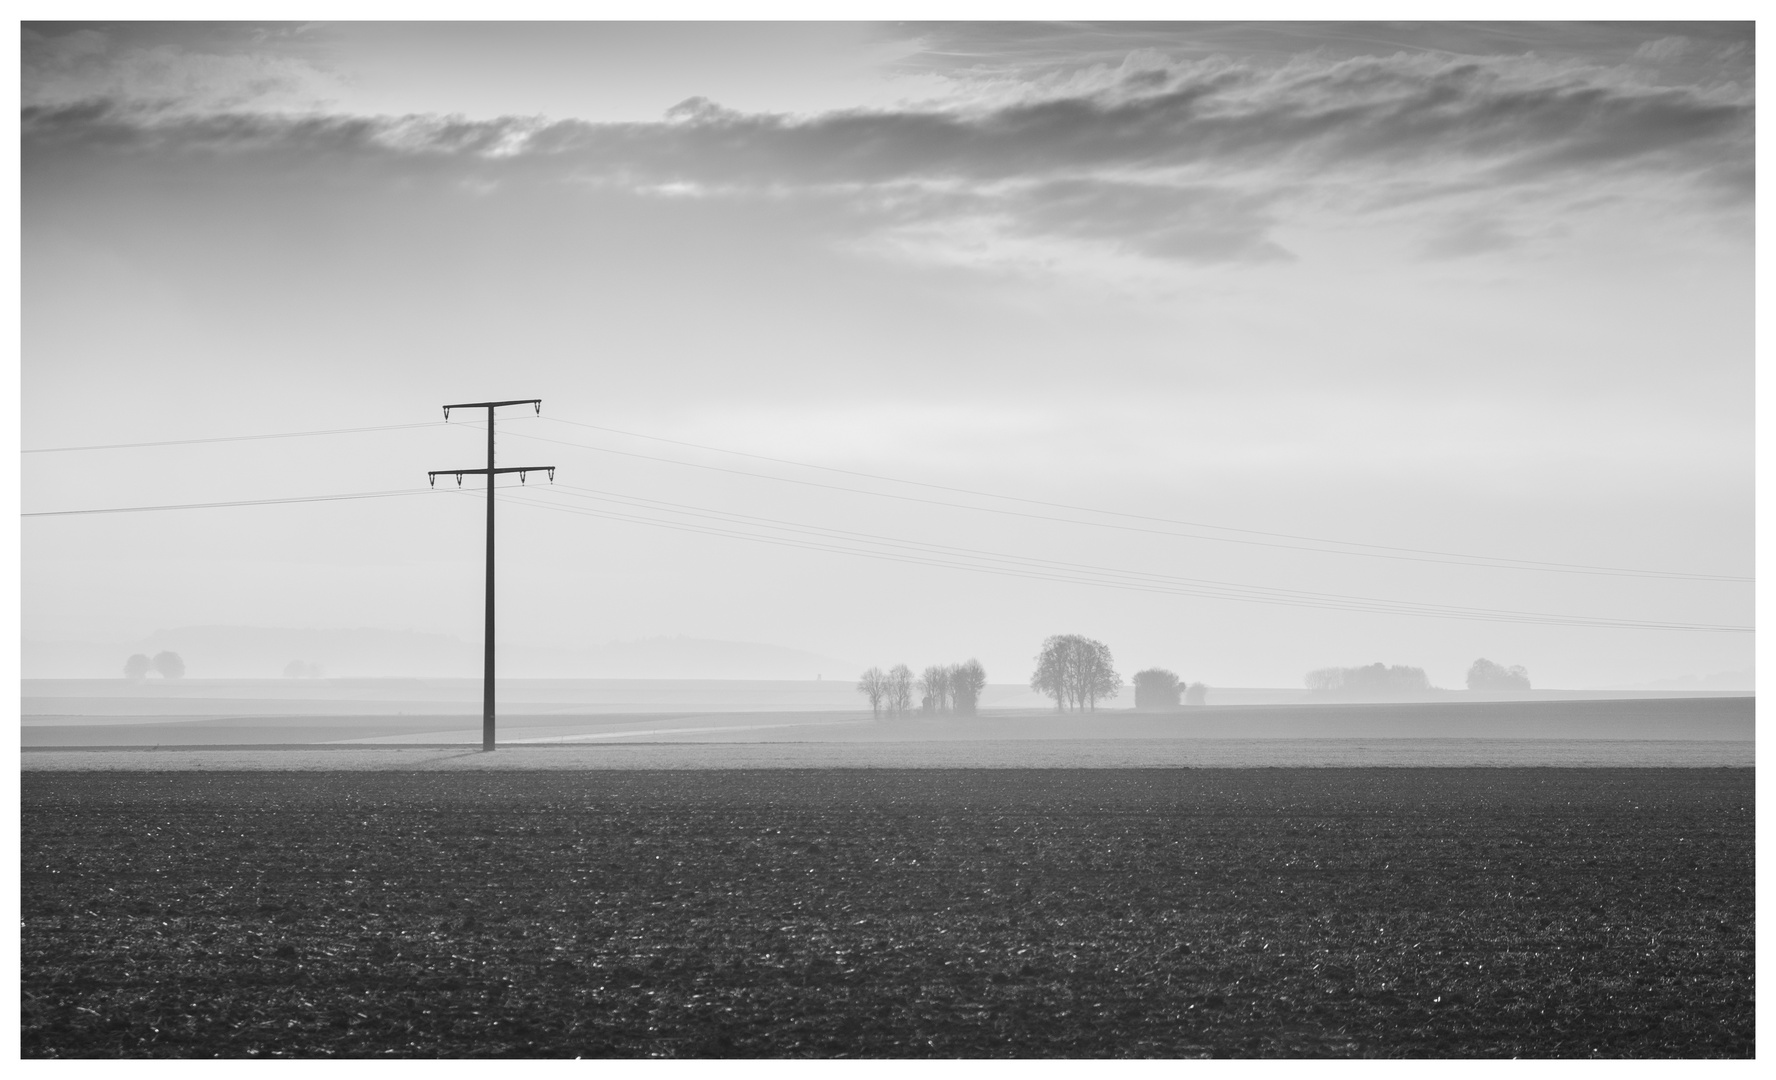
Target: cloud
(184,67)
(1661,50)
(1196,224)
(1174,161)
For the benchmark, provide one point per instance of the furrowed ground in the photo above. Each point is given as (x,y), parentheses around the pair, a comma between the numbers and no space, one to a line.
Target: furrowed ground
(1395,912)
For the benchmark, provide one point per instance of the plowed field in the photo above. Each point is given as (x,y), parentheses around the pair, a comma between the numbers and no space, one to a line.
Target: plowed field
(1086,913)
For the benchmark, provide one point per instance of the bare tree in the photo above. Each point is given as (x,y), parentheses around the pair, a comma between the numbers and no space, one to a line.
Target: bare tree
(874,686)
(1097,675)
(1075,671)
(136,667)
(966,683)
(934,684)
(1050,676)
(169,665)
(900,689)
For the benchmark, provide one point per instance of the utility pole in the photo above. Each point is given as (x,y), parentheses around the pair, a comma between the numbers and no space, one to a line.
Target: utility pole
(490,472)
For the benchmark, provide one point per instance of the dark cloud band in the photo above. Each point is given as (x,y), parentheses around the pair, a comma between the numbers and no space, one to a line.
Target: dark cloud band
(1185,162)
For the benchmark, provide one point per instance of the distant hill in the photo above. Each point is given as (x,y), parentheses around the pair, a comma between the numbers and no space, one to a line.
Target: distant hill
(248,652)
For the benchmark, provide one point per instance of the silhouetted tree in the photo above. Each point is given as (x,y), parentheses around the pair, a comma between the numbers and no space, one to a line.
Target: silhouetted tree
(169,665)
(874,686)
(1486,675)
(966,683)
(1075,671)
(900,689)
(934,684)
(137,666)
(1097,676)
(1050,676)
(1196,695)
(1157,688)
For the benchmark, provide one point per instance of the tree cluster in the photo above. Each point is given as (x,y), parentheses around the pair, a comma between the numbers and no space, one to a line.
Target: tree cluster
(1076,671)
(955,688)
(297,669)
(888,691)
(167,665)
(1157,688)
(1376,678)
(1486,675)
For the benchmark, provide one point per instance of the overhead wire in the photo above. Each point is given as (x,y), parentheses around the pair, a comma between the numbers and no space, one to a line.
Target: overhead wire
(231,438)
(1376,550)
(235,502)
(1479,615)
(943,556)
(1497,565)
(641,502)
(902,550)
(1498,562)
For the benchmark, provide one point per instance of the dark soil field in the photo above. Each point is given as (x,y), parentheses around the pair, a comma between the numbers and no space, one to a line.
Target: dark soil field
(882,913)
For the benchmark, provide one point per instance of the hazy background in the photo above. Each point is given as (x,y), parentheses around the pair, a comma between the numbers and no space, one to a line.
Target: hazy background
(1472,289)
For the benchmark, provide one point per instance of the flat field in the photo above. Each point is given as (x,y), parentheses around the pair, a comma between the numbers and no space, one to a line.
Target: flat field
(889,913)
(181,716)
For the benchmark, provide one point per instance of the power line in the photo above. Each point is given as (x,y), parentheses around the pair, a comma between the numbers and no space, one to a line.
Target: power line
(232,438)
(1451,558)
(1484,559)
(942,556)
(238,502)
(952,550)
(1475,615)
(946,556)
(1377,551)
(1224,589)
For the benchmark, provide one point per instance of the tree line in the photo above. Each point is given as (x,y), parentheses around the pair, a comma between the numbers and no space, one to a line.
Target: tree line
(167,665)
(1486,675)
(1078,672)
(1376,678)
(955,688)
(1379,678)
(1075,671)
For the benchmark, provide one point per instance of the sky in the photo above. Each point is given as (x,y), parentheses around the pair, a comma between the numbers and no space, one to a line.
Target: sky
(1246,349)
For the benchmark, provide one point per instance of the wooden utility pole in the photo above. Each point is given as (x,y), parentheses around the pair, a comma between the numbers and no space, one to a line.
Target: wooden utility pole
(490,472)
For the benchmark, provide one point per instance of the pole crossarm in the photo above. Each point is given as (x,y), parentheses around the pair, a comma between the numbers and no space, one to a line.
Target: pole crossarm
(521,470)
(538,402)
